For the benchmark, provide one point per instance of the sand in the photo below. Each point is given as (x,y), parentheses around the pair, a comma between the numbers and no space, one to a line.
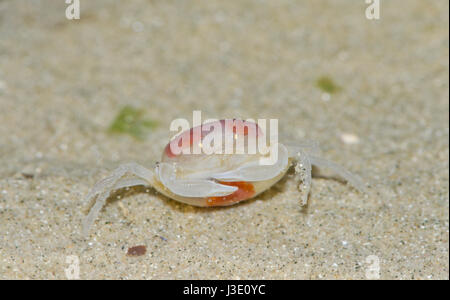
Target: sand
(62,83)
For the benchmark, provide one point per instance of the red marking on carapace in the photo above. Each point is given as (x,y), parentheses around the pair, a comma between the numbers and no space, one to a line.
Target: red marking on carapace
(245,191)
(196,134)
(178,141)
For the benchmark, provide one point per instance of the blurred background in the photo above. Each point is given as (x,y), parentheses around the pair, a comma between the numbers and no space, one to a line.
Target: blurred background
(79,97)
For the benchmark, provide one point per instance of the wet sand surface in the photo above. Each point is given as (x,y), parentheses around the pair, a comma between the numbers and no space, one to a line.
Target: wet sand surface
(63,82)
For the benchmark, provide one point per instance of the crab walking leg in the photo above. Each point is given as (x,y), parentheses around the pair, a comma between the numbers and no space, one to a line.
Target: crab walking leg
(306,146)
(103,188)
(123,183)
(117,174)
(354,180)
(303,174)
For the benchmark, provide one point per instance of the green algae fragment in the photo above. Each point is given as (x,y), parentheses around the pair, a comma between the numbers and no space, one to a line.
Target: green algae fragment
(327,85)
(130,121)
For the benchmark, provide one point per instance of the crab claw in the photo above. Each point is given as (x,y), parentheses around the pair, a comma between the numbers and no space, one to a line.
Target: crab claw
(191,187)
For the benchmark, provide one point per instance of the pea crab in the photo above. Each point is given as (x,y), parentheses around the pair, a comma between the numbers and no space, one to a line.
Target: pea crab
(219,178)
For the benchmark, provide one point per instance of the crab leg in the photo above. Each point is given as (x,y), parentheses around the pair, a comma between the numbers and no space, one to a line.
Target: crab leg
(354,180)
(303,173)
(307,146)
(123,183)
(103,188)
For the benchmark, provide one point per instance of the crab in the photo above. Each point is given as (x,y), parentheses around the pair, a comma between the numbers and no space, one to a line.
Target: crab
(218,178)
